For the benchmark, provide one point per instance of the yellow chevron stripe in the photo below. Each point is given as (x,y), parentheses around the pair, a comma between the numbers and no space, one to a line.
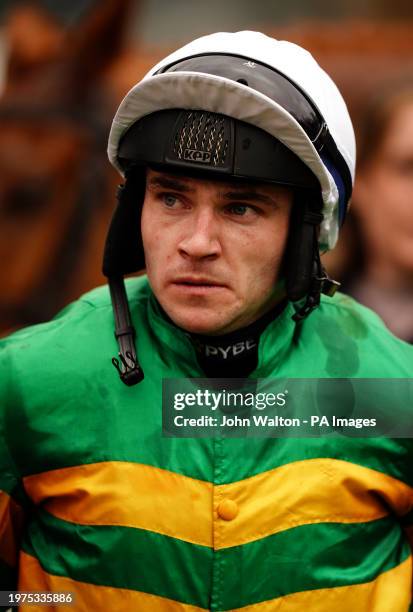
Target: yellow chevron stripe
(389,592)
(11,521)
(146,497)
(306,492)
(129,495)
(90,597)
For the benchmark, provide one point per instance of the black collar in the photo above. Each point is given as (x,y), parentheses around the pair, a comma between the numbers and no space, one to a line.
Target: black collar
(233,355)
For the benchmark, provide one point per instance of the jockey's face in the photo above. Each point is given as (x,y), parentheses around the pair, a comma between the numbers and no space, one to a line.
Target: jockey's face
(214,249)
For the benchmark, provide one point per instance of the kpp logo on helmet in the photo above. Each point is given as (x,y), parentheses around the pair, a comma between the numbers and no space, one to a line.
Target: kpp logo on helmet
(204,157)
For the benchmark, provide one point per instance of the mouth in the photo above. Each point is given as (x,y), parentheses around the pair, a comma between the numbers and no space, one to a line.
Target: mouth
(199,285)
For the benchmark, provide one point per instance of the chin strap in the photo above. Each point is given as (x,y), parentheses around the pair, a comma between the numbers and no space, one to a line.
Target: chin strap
(127,365)
(306,277)
(320,283)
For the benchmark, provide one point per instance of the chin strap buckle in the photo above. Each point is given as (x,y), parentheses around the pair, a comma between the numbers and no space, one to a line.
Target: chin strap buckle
(320,284)
(130,373)
(329,286)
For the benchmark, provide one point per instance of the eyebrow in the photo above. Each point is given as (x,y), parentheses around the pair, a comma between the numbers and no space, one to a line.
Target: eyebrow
(169,182)
(246,193)
(249,196)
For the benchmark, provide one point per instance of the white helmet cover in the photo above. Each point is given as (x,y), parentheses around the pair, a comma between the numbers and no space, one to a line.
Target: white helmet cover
(201,91)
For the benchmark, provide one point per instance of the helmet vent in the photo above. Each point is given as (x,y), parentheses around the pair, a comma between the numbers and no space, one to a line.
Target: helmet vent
(202,138)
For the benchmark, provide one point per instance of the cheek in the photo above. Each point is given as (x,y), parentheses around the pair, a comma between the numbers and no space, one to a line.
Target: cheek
(265,256)
(158,244)
(152,242)
(148,240)
(151,231)
(145,224)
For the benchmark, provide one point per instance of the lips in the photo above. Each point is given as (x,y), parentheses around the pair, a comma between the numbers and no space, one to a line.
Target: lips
(197,281)
(197,285)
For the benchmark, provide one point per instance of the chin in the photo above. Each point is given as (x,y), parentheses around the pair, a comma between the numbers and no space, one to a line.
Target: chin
(199,323)
(196,327)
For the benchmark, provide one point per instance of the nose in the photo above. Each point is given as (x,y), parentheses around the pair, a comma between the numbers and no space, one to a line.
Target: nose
(201,240)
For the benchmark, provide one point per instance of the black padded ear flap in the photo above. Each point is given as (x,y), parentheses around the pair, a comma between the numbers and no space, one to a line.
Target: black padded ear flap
(123,252)
(300,261)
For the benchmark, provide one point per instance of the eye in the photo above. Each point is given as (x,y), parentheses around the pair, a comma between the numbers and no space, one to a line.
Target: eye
(169,199)
(240,210)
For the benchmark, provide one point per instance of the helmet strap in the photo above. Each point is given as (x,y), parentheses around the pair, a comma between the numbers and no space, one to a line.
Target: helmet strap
(128,369)
(320,283)
(124,255)
(306,277)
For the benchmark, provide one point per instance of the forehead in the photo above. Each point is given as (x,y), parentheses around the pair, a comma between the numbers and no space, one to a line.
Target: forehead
(222,185)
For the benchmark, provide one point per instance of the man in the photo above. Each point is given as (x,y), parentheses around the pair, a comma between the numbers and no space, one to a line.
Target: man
(238,155)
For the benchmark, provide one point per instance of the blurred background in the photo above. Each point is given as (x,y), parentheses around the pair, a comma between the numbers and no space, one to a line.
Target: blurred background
(65,66)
